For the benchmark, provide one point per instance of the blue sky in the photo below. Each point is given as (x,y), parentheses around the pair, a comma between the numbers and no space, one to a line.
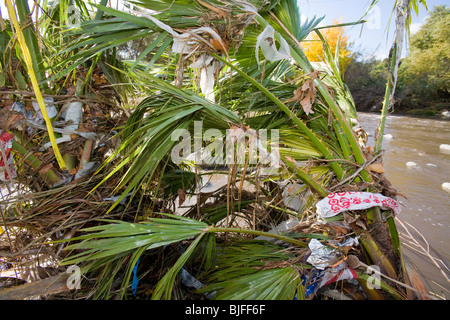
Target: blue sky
(375,38)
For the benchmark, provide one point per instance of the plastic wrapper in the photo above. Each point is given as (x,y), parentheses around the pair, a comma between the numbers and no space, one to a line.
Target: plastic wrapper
(336,203)
(322,256)
(316,279)
(7,168)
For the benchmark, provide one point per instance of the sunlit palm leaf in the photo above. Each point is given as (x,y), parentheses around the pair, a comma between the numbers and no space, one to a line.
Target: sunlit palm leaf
(241,274)
(118,237)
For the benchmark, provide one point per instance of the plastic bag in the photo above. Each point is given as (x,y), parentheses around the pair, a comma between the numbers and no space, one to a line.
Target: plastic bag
(336,203)
(7,168)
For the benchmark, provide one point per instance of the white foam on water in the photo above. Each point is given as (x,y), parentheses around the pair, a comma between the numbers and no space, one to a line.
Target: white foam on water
(444,148)
(411,164)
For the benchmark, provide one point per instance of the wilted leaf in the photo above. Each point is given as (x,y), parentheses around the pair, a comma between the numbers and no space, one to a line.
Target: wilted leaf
(13,119)
(376,167)
(307,104)
(219,12)
(46,168)
(181,196)
(306,94)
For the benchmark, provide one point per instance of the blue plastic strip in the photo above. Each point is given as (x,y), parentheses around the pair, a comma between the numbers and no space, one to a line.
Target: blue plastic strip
(135,282)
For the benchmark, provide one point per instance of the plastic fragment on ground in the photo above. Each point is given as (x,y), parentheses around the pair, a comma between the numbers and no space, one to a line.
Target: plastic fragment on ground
(294,195)
(337,273)
(336,203)
(73,112)
(49,105)
(7,167)
(19,108)
(88,168)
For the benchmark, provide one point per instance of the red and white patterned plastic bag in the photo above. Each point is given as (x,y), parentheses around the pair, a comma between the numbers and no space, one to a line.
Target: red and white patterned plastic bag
(7,168)
(336,203)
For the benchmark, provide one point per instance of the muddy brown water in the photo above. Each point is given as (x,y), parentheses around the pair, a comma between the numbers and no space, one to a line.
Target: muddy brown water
(417,167)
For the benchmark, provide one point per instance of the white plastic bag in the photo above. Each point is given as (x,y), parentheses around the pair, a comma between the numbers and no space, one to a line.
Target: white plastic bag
(266,41)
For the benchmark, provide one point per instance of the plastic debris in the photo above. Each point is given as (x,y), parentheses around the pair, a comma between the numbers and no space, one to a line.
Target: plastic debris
(294,195)
(182,43)
(318,278)
(115,198)
(72,113)
(336,203)
(266,41)
(208,67)
(329,267)
(322,256)
(49,105)
(188,280)
(89,168)
(282,227)
(135,282)
(7,167)
(340,272)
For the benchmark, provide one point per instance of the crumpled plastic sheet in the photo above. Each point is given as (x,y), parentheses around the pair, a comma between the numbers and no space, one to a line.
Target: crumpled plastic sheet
(49,105)
(182,43)
(208,67)
(322,256)
(7,167)
(336,203)
(72,112)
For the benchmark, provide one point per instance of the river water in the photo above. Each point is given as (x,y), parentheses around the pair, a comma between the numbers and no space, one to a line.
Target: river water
(417,167)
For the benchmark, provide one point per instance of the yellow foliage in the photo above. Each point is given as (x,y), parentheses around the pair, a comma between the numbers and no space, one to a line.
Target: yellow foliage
(313,46)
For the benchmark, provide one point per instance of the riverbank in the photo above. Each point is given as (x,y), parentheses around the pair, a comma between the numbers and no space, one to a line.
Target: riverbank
(434,114)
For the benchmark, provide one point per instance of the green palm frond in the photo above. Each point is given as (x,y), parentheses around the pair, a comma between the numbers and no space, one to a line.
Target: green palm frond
(147,140)
(118,237)
(254,270)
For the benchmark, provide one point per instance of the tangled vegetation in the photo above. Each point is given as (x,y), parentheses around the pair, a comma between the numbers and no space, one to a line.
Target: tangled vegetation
(108,197)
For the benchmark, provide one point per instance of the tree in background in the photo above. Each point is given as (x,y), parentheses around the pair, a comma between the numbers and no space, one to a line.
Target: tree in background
(426,70)
(423,76)
(366,80)
(314,47)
